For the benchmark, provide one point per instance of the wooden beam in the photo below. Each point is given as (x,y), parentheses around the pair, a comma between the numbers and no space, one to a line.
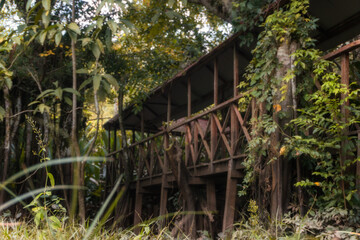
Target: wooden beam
(211,204)
(164,184)
(230,199)
(345,49)
(216,82)
(189,97)
(236,70)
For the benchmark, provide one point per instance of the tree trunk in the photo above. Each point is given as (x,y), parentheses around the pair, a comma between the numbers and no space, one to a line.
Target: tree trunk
(282,104)
(7,141)
(75,148)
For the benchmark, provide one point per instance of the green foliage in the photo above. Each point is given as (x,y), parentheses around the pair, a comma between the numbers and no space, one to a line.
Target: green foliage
(328,140)
(45,206)
(290,24)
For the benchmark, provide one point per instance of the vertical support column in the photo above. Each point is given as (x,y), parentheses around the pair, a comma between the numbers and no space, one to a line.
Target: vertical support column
(213,130)
(138,194)
(345,69)
(187,143)
(230,196)
(164,184)
(211,204)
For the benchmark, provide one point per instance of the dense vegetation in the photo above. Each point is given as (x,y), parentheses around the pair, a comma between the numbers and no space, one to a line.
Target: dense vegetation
(67,66)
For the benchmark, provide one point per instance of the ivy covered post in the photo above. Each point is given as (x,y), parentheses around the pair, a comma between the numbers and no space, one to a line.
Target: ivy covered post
(281,115)
(271,76)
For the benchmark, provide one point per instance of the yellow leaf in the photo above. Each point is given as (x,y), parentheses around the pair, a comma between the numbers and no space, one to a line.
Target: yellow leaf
(277,107)
(282,150)
(317,184)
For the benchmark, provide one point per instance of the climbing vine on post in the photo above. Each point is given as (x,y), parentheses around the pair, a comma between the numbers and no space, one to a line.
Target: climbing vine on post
(271,76)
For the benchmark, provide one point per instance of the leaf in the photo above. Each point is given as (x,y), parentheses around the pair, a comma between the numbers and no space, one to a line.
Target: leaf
(99,22)
(42,37)
(128,23)
(112,25)
(71,90)
(58,37)
(8,82)
(96,51)
(51,178)
(85,41)
(47,91)
(68,101)
(72,35)
(82,71)
(96,82)
(28,4)
(112,81)
(2,113)
(46,18)
(277,107)
(74,27)
(83,84)
(58,93)
(100,44)
(101,5)
(55,222)
(43,107)
(171,3)
(46,4)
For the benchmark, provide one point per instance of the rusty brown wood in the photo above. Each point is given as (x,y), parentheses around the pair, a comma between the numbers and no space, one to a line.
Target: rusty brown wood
(219,127)
(186,121)
(190,140)
(187,147)
(189,97)
(234,130)
(216,82)
(213,141)
(345,49)
(211,204)
(236,70)
(345,70)
(242,123)
(196,142)
(202,135)
(230,199)
(225,122)
(159,158)
(152,157)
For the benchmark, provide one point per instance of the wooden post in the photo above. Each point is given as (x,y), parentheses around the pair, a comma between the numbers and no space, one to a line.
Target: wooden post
(230,196)
(164,190)
(211,204)
(189,97)
(345,70)
(138,195)
(236,70)
(213,130)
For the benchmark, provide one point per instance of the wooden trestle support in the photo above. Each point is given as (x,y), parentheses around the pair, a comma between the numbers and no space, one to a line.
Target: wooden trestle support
(214,143)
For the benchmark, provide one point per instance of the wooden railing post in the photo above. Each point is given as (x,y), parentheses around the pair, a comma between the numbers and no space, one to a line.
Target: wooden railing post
(230,197)
(164,184)
(213,130)
(138,195)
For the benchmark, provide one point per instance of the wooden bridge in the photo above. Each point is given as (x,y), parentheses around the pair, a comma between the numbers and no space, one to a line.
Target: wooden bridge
(199,109)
